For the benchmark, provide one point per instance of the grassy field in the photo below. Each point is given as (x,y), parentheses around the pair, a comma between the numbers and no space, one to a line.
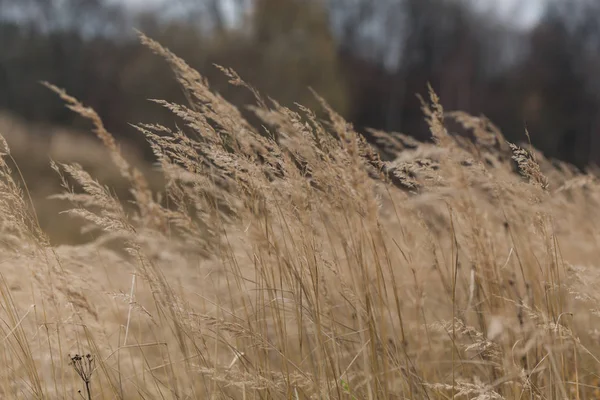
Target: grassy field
(291,262)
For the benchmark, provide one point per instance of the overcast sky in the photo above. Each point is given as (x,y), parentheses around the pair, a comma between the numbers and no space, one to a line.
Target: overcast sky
(521,14)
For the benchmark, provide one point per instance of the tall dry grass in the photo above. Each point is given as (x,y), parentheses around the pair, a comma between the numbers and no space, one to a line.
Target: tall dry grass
(292,262)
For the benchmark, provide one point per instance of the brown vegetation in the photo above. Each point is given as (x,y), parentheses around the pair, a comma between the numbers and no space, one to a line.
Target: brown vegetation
(366,58)
(292,262)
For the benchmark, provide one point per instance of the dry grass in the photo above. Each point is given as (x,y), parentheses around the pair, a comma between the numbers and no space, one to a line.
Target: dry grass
(294,263)
(33,147)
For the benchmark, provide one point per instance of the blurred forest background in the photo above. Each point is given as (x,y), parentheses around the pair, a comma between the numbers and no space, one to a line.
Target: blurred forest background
(368,58)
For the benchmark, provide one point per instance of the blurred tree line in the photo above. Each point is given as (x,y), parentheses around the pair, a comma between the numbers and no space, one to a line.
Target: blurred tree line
(368,58)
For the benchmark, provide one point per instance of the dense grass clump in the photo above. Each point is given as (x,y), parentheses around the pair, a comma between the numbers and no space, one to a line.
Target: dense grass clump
(292,262)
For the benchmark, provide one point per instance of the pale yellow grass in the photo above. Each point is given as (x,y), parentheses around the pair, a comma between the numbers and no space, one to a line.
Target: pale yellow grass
(33,146)
(293,263)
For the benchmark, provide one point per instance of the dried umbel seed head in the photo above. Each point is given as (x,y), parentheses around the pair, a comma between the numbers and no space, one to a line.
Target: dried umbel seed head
(83,365)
